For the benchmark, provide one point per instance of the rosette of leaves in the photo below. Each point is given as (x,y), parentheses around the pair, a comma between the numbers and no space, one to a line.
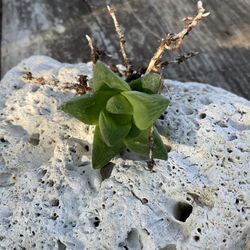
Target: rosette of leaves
(123,114)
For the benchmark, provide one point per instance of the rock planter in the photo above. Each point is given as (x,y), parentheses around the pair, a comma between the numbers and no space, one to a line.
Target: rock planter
(51,198)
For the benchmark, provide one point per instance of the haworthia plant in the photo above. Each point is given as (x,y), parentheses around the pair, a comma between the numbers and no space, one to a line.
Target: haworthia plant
(123,114)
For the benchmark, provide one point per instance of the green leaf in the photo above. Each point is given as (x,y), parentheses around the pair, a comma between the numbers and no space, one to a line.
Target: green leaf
(118,104)
(87,108)
(103,77)
(101,153)
(112,131)
(139,144)
(147,108)
(134,131)
(160,150)
(150,83)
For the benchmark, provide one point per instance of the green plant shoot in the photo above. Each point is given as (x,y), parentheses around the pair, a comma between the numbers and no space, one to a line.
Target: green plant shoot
(122,113)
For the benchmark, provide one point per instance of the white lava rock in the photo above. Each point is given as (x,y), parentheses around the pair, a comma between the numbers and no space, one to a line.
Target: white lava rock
(51,198)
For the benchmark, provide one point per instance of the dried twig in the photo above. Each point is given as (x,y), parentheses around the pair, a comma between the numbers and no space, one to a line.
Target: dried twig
(81,87)
(173,42)
(94,57)
(151,145)
(179,59)
(28,76)
(121,39)
(96,53)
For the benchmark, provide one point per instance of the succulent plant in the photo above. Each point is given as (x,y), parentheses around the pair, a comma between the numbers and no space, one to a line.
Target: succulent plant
(122,112)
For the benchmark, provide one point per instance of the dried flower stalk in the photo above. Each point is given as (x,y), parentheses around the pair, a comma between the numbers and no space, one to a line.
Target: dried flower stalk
(122,40)
(179,59)
(92,49)
(151,145)
(173,42)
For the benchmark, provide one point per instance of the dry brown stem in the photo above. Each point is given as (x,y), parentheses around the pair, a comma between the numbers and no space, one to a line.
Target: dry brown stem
(179,59)
(173,42)
(92,49)
(96,53)
(28,76)
(81,87)
(151,145)
(122,40)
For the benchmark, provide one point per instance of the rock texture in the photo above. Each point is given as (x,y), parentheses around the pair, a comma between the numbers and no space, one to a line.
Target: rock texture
(54,29)
(51,198)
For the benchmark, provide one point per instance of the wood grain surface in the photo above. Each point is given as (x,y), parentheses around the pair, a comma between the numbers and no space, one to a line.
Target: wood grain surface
(57,28)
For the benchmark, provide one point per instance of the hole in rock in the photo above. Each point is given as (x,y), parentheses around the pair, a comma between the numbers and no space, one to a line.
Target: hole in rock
(133,240)
(168,148)
(196,238)
(83,164)
(35,88)
(71,149)
(202,115)
(61,246)
(54,216)
(161,117)
(50,183)
(107,170)
(41,173)
(54,202)
(96,222)
(169,247)
(3,140)
(34,139)
(182,211)
(16,87)
(86,147)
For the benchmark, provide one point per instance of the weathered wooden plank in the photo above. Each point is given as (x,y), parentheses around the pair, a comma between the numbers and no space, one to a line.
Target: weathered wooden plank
(57,29)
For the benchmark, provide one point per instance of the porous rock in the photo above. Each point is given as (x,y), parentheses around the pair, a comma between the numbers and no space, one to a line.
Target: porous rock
(51,198)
